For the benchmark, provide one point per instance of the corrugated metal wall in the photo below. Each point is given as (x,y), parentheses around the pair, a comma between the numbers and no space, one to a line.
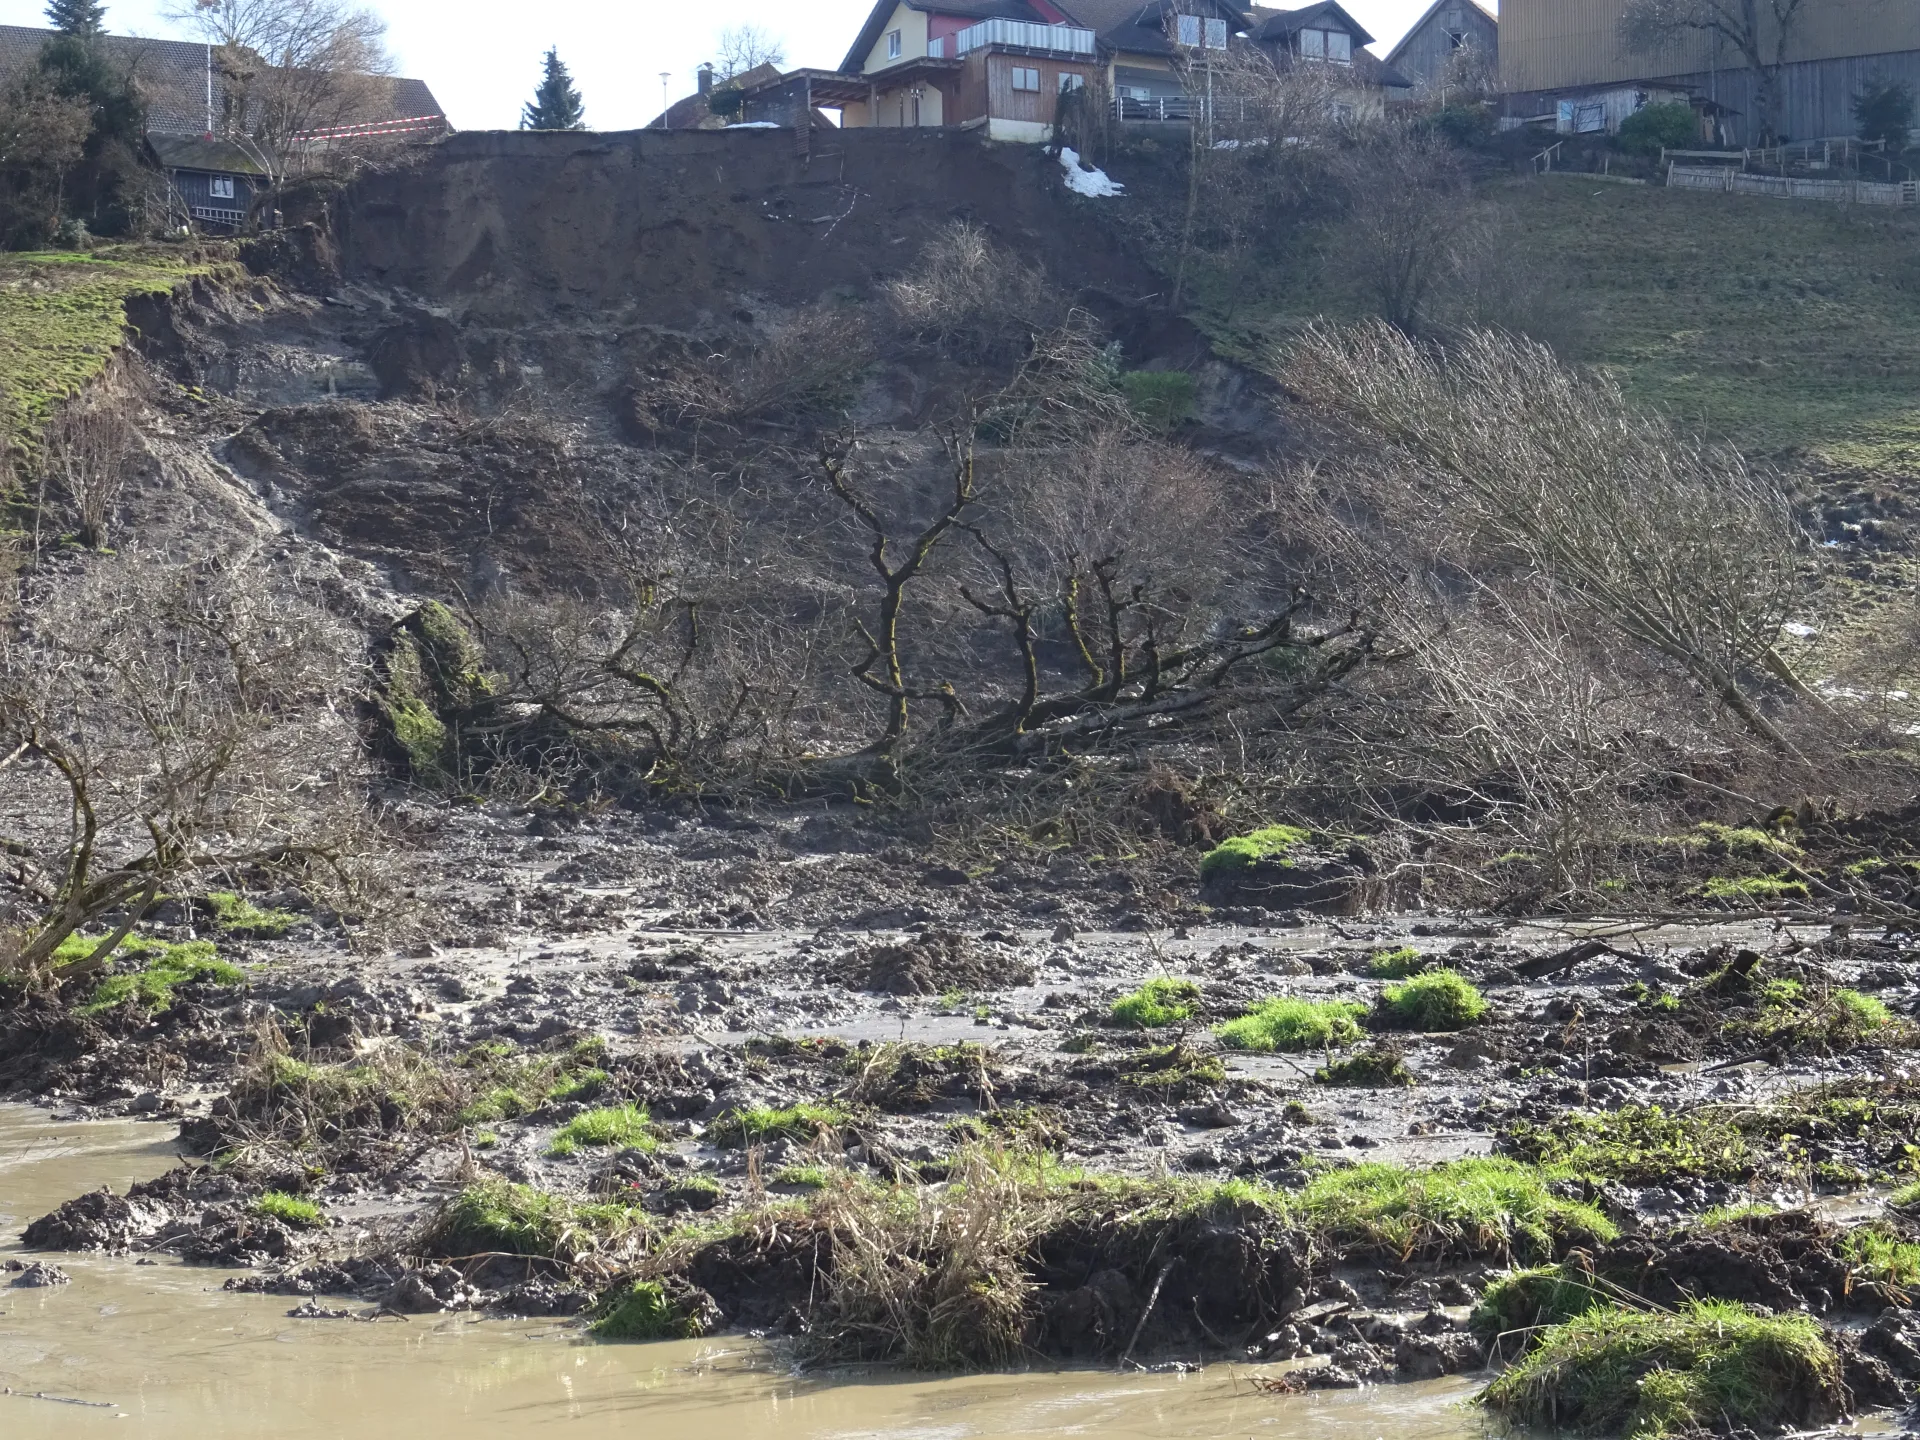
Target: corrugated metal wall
(1546,44)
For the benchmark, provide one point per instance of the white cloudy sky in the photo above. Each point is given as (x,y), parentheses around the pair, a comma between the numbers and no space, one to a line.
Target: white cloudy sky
(482,57)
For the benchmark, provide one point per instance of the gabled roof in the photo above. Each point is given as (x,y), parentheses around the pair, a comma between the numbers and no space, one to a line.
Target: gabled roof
(191,152)
(1140,26)
(1276,24)
(870,32)
(172,79)
(1393,55)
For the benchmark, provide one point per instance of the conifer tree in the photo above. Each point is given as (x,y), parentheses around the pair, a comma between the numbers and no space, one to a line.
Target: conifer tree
(556,104)
(86,18)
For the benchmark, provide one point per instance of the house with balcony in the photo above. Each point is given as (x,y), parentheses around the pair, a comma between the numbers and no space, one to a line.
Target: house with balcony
(1002,65)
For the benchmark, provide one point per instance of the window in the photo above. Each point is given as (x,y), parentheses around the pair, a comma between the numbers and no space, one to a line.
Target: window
(893,44)
(1334,45)
(1456,39)
(1189,29)
(1071,81)
(1025,79)
(220,187)
(1216,34)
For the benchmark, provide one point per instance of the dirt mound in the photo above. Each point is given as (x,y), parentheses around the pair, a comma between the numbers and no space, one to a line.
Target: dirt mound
(529,225)
(934,962)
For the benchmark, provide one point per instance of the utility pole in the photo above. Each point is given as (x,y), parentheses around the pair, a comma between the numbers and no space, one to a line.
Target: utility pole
(666,103)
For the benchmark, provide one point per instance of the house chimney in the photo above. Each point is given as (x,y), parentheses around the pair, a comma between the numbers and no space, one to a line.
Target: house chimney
(706,79)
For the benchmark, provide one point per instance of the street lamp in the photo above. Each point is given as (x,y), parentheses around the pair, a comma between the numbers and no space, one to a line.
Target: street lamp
(666,104)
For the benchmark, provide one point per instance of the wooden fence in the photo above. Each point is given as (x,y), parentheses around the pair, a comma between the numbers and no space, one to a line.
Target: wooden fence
(1791,187)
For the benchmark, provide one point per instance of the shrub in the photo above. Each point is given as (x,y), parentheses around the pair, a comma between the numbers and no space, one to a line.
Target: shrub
(1232,856)
(1712,1365)
(1433,1000)
(1654,128)
(626,1127)
(289,1210)
(1883,109)
(1159,1002)
(1287,1023)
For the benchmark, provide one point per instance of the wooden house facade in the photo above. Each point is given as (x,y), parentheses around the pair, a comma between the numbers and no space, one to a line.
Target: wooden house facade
(1431,50)
(1551,47)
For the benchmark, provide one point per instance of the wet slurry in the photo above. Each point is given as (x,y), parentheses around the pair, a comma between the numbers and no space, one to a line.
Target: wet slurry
(160,1345)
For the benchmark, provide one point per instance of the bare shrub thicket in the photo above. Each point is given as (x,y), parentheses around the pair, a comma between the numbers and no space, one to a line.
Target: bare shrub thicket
(1407,207)
(165,719)
(973,300)
(805,363)
(86,451)
(1675,543)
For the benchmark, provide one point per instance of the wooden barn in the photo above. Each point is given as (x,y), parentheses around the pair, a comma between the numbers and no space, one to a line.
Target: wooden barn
(1431,51)
(1549,48)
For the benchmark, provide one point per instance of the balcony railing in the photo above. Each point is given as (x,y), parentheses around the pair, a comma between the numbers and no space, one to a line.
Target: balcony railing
(1059,39)
(1159,107)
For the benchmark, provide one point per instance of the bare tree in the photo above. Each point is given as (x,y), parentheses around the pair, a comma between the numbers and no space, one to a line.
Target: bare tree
(747,47)
(164,718)
(1760,31)
(1408,205)
(1677,544)
(292,67)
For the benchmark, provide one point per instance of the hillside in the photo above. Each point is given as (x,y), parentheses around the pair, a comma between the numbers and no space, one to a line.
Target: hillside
(1784,325)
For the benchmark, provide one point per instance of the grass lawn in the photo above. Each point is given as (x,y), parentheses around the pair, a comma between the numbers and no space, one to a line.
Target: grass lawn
(1779,324)
(63,314)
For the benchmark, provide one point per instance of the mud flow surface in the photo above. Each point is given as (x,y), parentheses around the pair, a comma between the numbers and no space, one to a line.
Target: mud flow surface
(159,1344)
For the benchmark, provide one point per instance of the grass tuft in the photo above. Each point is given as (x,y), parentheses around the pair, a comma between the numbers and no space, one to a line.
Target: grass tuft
(1396,964)
(1480,1206)
(761,1125)
(1244,851)
(1377,1067)
(237,916)
(625,1127)
(289,1210)
(1712,1365)
(162,969)
(1288,1023)
(643,1310)
(1433,1000)
(1162,1001)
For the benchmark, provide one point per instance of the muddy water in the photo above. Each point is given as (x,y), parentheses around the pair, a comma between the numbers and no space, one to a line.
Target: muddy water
(159,1350)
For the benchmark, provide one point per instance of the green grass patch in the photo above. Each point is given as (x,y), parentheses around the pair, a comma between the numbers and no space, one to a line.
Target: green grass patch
(1757,889)
(1171,1068)
(163,967)
(238,916)
(803,1177)
(1639,1144)
(1161,1001)
(62,316)
(1396,964)
(762,1125)
(1647,1374)
(289,1210)
(1232,856)
(1881,1260)
(1433,1000)
(1740,1214)
(1162,400)
(493,1216)
(1288,1023)
(1528,1300)
(643,1310)
(1479,1206)
(624,1127)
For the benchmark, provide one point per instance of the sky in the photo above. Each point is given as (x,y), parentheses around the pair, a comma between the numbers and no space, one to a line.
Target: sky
(482,57)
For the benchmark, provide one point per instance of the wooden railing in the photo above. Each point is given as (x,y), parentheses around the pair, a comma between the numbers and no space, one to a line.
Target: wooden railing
(1791,187)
